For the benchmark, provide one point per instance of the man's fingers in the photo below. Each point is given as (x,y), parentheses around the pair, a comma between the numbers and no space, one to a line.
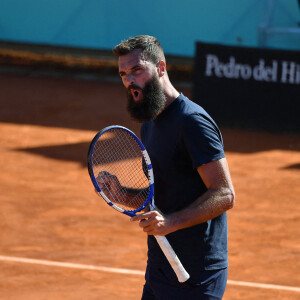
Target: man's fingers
(142,216)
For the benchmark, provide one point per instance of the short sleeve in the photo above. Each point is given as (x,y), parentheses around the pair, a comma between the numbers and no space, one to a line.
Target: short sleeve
(202,139)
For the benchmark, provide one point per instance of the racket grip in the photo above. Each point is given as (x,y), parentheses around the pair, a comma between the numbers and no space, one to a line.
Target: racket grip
(173,259)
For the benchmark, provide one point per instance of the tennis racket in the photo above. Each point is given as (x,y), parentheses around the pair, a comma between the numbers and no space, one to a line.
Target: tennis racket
(122,174)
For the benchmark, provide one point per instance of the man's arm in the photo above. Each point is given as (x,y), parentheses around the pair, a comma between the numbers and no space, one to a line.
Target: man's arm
(218,198)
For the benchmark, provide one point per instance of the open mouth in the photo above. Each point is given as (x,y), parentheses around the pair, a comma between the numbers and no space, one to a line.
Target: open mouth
(136,94)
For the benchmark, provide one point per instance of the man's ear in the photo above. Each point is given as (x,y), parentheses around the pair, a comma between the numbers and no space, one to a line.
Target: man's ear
(161,68)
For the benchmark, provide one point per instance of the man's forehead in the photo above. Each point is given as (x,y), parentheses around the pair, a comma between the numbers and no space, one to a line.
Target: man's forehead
(132,59)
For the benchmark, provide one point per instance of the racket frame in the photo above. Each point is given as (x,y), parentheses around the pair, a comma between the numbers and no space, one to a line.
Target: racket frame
(164,244)
(148,164)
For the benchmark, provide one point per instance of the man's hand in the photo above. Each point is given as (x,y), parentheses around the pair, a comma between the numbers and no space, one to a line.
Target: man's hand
(110,185)
(154,223)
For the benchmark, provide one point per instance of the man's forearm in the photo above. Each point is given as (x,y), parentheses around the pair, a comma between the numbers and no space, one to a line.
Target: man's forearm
(210,205)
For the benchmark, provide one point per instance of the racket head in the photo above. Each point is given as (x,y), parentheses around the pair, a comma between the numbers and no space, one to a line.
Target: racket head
(116,153)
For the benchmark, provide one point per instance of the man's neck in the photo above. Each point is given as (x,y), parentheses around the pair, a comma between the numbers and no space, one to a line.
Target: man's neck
(171,94)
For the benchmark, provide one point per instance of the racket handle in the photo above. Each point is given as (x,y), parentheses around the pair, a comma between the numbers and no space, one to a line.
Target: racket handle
(173,259)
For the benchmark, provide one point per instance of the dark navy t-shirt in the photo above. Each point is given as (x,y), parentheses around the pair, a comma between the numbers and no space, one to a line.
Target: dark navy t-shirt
(179,140)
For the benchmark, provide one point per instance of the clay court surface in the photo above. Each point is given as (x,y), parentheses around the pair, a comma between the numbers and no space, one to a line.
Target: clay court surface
(81,248)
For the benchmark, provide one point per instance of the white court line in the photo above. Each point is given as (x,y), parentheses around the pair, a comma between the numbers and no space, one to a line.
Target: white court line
(264,286)
(134,272)
(69,265)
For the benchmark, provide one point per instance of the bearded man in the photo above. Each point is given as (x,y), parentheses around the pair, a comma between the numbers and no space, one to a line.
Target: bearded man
(193,187)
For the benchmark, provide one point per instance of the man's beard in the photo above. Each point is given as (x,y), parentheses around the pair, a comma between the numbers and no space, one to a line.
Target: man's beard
(150,105)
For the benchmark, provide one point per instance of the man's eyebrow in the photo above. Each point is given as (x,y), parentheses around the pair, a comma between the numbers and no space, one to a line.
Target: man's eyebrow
(138,65)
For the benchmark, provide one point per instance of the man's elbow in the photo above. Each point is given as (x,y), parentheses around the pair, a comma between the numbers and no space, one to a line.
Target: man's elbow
(230,199)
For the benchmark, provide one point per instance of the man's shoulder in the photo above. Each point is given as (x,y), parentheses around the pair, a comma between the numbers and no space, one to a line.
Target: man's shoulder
(190,107)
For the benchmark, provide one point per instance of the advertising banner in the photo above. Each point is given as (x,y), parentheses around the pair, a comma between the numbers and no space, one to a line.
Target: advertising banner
(249,87)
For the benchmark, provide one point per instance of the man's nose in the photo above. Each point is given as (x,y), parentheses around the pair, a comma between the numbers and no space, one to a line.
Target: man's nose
(128,80)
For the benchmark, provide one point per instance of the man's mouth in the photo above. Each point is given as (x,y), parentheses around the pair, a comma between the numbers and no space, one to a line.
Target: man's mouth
(136,94)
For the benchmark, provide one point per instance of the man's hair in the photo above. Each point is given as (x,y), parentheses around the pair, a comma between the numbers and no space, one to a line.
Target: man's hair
(150,46)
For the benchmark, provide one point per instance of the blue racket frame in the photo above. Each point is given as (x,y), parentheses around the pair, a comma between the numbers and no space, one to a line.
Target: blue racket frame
(147,161)
(165,246)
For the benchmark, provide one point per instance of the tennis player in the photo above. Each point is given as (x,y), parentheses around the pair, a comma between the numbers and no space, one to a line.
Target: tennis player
(193,187)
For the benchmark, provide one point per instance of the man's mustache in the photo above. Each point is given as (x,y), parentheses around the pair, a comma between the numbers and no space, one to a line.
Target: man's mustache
(133,87)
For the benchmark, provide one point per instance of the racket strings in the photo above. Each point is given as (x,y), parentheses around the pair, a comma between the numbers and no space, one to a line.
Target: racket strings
(118,165)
